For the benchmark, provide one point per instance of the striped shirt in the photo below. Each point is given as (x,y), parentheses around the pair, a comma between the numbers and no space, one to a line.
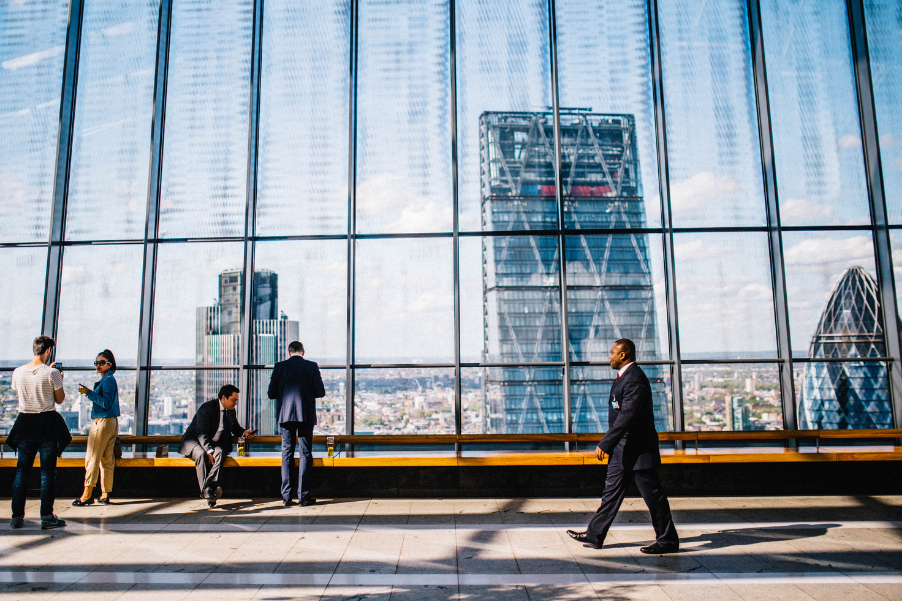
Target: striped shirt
(35,386)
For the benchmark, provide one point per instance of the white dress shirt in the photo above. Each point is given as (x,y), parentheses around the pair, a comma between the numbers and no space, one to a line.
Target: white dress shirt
(624,369)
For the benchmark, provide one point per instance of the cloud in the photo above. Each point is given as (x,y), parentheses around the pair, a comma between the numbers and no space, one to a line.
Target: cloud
(32,59)
(384,195)
(804,211)
(695,250)
(75,274)
(699,189)
(850,141)
(818,252)
(897,164)
(888,141)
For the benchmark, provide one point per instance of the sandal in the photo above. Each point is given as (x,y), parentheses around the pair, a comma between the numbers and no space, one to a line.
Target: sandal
(87,502)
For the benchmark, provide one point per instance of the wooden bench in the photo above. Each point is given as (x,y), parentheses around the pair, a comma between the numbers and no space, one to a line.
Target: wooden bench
(581,450)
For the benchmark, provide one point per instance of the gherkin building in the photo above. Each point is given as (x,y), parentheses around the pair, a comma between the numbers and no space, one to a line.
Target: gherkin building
(852,394)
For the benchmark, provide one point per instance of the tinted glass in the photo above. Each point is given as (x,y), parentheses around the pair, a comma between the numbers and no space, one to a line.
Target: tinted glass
(732,397)
(512,400)
(404,301)
(724,293)
(175,396)
(100,303)
(32,49)
(302,169)
(204,183)
(814,113)
(21,302)
(197,305)
(503,65)
(404,117)
(607,70)
(405,401)
(330,412)
(884,22)
(843,395)
(510,299)
(111,142)
(301,295)
(712,127)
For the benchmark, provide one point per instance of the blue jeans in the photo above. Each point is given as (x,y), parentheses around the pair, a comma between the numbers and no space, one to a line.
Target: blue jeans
(27,451)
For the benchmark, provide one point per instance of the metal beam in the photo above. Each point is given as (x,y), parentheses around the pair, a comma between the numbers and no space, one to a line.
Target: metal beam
(666,217)
(151,228)
(458,375)
(61,179)
(775,237)
(250,224)
(352,219)
(874,172)
(561,216)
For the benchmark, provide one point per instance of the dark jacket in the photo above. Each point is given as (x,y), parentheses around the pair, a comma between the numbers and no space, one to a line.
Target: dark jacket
(43,426)
(295,385)
(631,440)
(204,426)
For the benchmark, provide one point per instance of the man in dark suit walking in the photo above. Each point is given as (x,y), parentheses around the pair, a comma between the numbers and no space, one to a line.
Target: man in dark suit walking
(295,385)
(208,440)
(631,444)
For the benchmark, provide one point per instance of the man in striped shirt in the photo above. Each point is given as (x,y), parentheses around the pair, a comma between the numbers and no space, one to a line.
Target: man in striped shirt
(40,390)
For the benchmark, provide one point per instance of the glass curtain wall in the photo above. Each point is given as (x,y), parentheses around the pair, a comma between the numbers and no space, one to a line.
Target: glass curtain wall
(456,205)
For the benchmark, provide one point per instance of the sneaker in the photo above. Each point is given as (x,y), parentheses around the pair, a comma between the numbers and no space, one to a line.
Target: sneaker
(17,522)
(52,521)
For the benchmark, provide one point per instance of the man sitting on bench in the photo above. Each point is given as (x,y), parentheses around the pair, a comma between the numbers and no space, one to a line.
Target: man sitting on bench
(208,440)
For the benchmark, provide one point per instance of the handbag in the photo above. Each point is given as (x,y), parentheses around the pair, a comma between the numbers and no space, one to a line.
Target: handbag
(117,448)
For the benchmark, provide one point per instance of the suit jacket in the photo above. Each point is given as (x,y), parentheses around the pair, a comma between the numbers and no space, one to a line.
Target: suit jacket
(204,425)
(631,440)
(295,385)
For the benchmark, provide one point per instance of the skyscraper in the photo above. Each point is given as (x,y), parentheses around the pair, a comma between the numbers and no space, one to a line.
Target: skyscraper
(610,293)
(219,342)
(852,394)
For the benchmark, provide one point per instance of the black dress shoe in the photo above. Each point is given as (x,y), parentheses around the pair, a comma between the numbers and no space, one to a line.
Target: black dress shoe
(307,501)
(87,502)
(583,538)
(287,503)
(661,547)
(211,502)
(104,500)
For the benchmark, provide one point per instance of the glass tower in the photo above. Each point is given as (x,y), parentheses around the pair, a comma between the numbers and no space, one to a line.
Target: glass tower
(610,292)
(847,395)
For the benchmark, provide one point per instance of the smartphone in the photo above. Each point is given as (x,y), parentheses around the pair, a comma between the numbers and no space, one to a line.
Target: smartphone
(57,365)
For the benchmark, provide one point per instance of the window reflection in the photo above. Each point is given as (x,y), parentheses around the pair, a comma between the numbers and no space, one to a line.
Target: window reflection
(512,400)
(23,271)
(32,49)
(814,113)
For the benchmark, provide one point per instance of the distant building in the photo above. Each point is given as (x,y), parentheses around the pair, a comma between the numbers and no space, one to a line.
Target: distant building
(851,394)
(609,280)
(219,342)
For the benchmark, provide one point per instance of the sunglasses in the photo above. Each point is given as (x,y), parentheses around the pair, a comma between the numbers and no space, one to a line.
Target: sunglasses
(100,363)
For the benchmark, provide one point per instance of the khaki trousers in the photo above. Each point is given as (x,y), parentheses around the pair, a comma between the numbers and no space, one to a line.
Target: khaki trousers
(100,453)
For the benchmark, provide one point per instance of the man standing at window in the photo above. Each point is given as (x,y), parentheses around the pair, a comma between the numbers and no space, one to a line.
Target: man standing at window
(295,385)
(208,440)
(38,428)
(632,445)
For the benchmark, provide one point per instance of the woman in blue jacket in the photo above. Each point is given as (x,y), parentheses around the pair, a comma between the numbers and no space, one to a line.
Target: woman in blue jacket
(104,428)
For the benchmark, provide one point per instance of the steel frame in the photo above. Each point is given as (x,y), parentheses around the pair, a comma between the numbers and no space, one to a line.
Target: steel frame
(879,227)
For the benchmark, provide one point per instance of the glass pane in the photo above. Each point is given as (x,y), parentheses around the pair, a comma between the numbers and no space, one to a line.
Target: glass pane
(615,289)
(32,49)
(404,401)
(510,299)
(302,169)
(732,397)
(100,303)
(712,126)
(724,295)
(198,290)
(76,409)
(590,388)
(895,239)
(24,271)
(204,182)
(303,292)
(503,65)
(512,400)
(607,70)
(405,301)
(884,22)
(404,117)
(175,396)
(814,113)
(831,288)
(111,141)
(844,395)
(330,409)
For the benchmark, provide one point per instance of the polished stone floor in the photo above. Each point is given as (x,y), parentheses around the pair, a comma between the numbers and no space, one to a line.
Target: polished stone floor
(785,548)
